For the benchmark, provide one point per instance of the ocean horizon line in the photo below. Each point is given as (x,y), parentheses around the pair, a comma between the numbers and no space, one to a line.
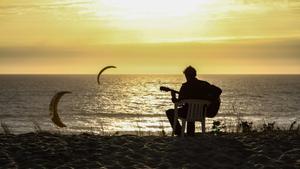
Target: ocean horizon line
(149,74)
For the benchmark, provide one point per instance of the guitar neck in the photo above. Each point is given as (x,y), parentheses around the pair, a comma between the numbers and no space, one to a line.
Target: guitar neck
(174,91)
(166,89)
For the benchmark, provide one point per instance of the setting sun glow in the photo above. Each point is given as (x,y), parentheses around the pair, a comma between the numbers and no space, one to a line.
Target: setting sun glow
(216,36)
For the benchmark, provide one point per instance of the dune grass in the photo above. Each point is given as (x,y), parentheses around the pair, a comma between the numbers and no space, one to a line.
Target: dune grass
(217,128)
(233,126)
(37,128)
(6,129)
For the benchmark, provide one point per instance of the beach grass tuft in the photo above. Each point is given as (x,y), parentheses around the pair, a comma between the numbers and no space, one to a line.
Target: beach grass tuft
(102,129)
(162,128)
(292,125)
(5,128)
(37,128)
(138,132)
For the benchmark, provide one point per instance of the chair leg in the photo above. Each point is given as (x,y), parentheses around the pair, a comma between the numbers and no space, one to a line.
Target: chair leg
(173,131)
(203,120)
(175,121)
(183,127)
(203,126)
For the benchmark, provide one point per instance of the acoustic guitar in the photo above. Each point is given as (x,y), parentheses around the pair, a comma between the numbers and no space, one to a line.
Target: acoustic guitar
(213,108)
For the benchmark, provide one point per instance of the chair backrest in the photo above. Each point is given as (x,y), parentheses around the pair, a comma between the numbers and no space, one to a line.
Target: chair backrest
(196,109)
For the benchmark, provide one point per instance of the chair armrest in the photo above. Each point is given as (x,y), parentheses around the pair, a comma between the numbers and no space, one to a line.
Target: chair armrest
(179,103)
(187,101)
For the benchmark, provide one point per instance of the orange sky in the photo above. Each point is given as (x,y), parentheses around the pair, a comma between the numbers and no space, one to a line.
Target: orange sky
(139,36)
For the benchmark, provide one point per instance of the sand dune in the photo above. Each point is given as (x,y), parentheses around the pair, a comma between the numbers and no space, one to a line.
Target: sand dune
(258,150)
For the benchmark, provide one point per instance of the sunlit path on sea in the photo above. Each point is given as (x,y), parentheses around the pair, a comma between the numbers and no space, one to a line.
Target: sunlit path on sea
(131,103)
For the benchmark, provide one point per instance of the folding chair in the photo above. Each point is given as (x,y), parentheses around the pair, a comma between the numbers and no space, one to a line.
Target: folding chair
(196,112)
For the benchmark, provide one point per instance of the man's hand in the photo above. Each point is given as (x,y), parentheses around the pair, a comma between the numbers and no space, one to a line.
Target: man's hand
(173,94)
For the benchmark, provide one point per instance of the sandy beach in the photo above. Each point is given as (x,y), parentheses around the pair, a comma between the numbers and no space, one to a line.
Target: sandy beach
(255,150)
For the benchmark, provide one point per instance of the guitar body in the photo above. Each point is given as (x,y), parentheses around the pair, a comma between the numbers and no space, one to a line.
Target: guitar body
(213,108)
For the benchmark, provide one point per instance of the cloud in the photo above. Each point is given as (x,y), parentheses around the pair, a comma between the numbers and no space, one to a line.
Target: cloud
(21,8)
(68,22)
(275,55)
(41,5)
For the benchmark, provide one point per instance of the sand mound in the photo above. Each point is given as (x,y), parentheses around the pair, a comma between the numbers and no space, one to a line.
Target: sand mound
(47,150)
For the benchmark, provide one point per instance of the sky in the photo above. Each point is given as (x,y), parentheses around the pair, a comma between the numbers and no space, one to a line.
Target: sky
(150,37)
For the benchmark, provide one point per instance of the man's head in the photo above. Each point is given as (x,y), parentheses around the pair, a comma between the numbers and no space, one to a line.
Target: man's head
(190,73)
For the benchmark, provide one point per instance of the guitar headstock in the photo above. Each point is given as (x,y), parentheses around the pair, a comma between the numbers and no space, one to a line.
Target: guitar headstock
(165,89)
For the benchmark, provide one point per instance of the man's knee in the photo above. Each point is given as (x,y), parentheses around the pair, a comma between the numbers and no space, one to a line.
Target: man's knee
(170,112)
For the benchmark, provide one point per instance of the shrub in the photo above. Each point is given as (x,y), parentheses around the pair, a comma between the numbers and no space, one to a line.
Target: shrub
(245,126)
(216,128)
(268,127)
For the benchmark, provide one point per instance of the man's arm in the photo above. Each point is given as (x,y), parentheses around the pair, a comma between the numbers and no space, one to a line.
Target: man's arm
(182,92)
(180,95)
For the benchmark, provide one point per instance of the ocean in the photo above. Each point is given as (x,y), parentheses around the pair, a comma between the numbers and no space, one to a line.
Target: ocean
(134,103)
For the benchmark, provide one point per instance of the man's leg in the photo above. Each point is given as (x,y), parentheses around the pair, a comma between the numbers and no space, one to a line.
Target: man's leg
(170,114)
(191,128)
(190,125)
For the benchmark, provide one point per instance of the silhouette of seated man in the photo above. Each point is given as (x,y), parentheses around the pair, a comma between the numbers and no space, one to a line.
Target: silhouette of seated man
(192,89)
